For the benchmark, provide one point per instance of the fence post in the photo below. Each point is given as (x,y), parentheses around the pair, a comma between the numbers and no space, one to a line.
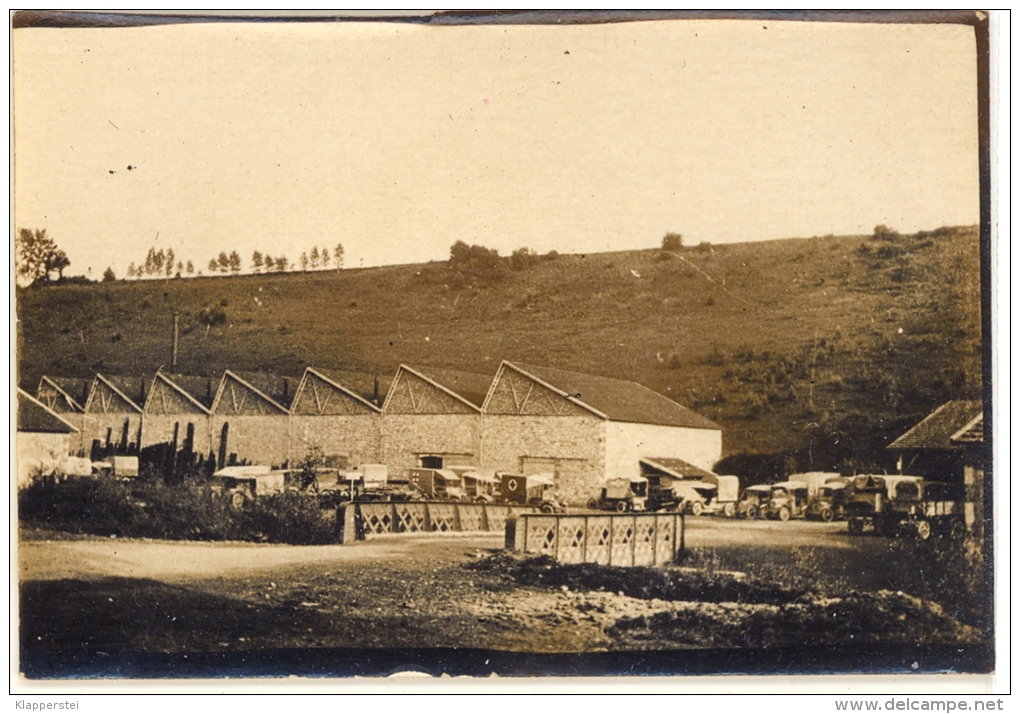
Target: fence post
(683,535)
(612,536)
(584,543)
(633,540)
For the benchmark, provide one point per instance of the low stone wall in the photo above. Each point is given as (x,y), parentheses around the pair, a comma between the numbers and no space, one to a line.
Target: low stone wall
(625,540)
(362,521)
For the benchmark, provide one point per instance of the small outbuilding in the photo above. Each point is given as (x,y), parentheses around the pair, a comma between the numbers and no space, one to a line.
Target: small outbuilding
(948,445)
(44,439)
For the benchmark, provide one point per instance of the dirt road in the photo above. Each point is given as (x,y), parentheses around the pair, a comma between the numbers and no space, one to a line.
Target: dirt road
(102,598)
(186,561)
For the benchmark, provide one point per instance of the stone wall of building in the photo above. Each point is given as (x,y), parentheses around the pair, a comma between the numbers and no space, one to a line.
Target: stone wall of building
(572,447)
(262,439)
(102,426)
(354,438)
(405,436)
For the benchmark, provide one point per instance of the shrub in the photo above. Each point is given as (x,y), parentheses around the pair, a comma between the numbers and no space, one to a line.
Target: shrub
(703,247)
(523,258)
(883,232)
(672,242)
(477,264)
(149,508)
(212,316)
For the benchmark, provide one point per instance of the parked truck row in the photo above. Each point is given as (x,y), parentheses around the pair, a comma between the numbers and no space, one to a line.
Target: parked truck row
(887,504)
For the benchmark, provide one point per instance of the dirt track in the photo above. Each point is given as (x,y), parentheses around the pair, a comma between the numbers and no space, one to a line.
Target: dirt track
(183,561)
(113,595)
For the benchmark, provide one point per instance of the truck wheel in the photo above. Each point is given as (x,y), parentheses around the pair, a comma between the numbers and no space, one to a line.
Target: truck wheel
(751,513)
(547,508)
(826,515)
(729,510)
(855,526)
(784,514)
(237,499)
(696,508)
(621,506)
(923,530)
(593,504)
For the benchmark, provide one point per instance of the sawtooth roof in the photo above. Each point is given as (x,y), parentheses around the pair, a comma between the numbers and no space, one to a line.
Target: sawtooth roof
(936,431)
(134,388)
(76,388)
(361,383)
(202,389)
(619,399)
(471,386)
(278,387)
(35,416)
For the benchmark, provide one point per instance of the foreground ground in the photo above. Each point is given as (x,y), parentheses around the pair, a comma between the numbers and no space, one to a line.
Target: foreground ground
(113,596)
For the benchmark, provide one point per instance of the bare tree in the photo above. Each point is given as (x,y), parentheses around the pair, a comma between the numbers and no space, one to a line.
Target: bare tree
(338,255)
(256,262)
(235,262)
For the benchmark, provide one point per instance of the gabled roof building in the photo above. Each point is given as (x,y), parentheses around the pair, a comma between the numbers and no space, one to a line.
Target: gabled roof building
(112,419)
(330,416)
(177,411)
(583,429)
(432,418)
(247,424)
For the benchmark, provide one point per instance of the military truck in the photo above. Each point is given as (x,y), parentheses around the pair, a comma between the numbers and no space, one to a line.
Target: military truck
(787,499)
(896,504)
(533,490)
(436,484)
(245,483)
(621,495)
(828,502)
(752,500)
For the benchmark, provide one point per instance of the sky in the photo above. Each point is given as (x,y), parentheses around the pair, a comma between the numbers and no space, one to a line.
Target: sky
(397,140)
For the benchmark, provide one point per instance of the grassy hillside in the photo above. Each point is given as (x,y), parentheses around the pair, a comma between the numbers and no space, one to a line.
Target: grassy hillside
(787,344)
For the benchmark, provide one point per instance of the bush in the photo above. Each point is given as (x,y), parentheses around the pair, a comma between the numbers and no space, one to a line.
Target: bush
(190,511)
(523,258)
(673,242)
(212,316)
(476,264)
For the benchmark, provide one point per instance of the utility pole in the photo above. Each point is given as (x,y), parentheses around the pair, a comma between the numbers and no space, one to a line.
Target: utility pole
(173,357)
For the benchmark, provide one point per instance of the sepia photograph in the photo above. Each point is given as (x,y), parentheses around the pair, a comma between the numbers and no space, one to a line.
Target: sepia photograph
(501,344)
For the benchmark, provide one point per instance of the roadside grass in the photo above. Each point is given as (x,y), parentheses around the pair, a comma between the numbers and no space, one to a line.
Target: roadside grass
(190,511)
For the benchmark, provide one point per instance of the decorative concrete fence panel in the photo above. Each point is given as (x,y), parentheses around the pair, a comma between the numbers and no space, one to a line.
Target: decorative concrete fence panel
(366,520)
(632,539)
